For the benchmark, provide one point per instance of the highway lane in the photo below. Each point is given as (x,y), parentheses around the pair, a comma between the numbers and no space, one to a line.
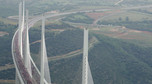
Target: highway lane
(119,2)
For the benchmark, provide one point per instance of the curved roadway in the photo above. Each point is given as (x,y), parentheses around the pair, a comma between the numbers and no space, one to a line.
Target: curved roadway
(22,72)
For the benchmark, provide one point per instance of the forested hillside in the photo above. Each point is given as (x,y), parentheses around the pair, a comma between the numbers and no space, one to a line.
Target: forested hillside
(5,43)
(111,60)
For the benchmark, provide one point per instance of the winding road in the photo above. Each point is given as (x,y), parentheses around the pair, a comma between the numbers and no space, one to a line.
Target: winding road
(119,2)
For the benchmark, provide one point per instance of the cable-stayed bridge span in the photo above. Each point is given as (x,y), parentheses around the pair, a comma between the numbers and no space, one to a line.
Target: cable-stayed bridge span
(26,69)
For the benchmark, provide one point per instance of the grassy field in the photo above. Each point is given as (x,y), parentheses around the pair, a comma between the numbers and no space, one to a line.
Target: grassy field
(120,32)
(142,38)
(132,15)
(7,81)
(8,21)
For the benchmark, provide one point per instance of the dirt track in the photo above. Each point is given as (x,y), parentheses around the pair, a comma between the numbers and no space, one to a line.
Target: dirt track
(3,33)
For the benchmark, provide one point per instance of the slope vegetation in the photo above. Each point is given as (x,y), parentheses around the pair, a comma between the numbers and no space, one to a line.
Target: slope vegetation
(112,61)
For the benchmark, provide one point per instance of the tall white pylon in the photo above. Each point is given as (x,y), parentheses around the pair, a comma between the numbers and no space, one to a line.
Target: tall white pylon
(86,72)
(19,36)
(85,58)
(42,51)
(20,27)
(45,72)
(27,60)
(20,15)
(23,18)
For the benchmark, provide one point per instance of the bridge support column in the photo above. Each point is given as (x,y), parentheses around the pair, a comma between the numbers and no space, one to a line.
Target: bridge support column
(42,50)
(85,58)
(27,55)
(86,72)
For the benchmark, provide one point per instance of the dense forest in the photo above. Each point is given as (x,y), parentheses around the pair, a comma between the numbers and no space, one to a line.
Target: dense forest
(111,60)
(5,50)
(59,44)
(78,18)
(59,25)
(5,43)
(8,74)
